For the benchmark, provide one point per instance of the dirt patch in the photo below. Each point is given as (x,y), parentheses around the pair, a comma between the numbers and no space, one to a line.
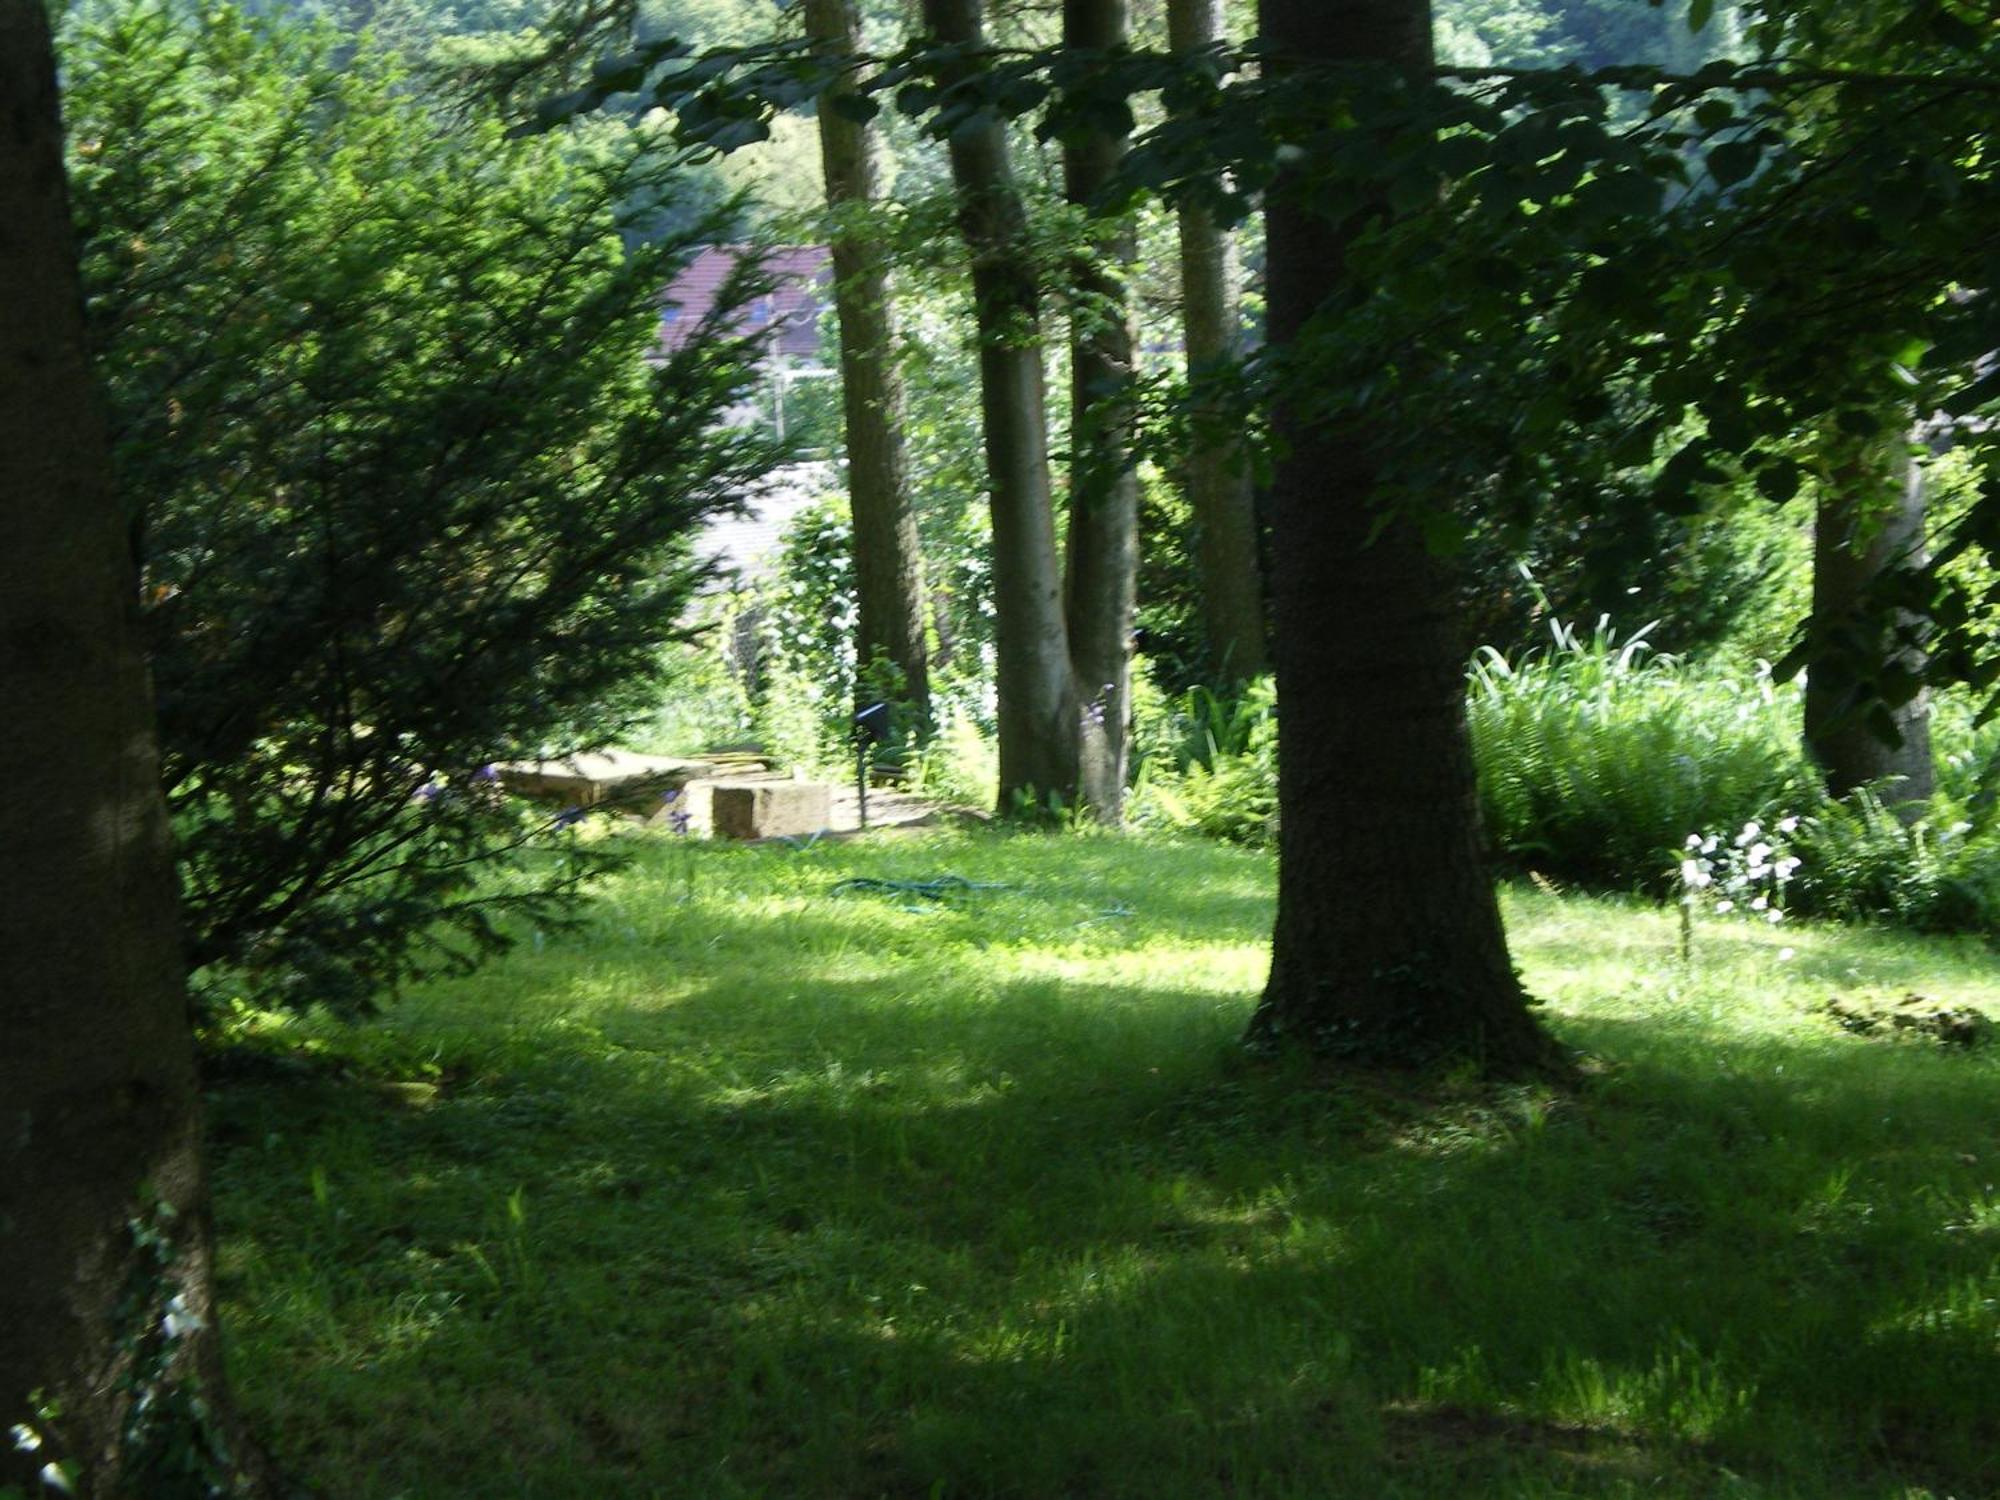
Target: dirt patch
(1915,1016)
(1462,1437)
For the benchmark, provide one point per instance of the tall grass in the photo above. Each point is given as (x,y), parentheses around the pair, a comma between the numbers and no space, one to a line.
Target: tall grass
(1597,757)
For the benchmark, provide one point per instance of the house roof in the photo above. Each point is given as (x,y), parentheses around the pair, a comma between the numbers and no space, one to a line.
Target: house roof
(791,309)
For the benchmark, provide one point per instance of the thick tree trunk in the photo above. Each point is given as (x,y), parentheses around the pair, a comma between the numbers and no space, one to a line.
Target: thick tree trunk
(1858,537)
(1039,707)
(888,563)
(105,1313)
(1217,474)
(1388,948)
(1100,582)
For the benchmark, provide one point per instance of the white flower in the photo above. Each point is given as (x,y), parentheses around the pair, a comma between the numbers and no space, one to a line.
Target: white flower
(1774,916)
(1786,865)
(1787,953)
(1708,844)
(179,1319)
(1693,841)
(1725,906)
(1788,825)
(1751,831)
(1693,875)
(1759,852)
(1760,903)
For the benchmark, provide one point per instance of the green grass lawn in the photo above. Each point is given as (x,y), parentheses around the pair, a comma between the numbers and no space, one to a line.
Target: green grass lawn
(783,1192)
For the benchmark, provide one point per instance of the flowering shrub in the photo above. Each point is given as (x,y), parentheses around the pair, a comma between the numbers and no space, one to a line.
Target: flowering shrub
(1747,876)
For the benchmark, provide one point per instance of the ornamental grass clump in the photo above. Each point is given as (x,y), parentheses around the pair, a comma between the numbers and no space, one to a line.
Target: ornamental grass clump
(1597,754)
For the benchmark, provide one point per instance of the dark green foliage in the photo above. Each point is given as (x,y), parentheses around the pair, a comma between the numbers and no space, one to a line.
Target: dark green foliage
(407,497)
(1735,578)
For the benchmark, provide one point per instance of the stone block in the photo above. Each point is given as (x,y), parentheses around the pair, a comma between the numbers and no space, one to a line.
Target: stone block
(769,809)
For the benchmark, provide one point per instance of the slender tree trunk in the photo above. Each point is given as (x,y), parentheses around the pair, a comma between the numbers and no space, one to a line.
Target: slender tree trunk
(1217,474)
(1039,707)
(1100,583)
(888,563)
(105,1312)
(1857,540)
(1388,948)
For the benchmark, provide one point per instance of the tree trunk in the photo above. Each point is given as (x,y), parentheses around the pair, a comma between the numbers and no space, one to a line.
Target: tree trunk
(1217,473)
(888,563)
(1100,582)
(1039,707)
(105,1312)
(1388,948)
(1858,540)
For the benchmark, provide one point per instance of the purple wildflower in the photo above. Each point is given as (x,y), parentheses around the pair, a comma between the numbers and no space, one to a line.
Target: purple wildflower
(569,817)
(678,822)
(487,772)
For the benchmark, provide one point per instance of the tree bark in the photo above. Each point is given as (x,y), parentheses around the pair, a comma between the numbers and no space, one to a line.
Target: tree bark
(1100,581)
(1039,710)
(888,562)
(1858,538)
(1388,948)
(104,1244)
(1217,474)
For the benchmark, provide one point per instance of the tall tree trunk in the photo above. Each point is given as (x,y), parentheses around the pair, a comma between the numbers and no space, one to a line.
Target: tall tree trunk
(1100,583)
(105,1314)
(1388,948)
(1039,707)
(888,563)
(1217,473)
(1859,535)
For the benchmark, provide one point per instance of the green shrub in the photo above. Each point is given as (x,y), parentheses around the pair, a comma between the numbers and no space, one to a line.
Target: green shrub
(1597,758)
(409,497)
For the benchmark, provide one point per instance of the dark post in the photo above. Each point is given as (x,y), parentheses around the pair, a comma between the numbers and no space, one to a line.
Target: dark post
(871,727)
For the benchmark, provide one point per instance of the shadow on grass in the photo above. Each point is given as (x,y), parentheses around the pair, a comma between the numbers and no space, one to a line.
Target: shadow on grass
(1061,1238)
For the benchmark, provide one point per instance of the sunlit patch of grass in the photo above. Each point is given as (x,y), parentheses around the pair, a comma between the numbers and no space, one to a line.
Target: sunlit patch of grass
(780,1191)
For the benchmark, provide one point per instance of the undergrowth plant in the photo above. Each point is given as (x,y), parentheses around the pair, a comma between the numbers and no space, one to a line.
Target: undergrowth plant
(1937,872)
(1208,764)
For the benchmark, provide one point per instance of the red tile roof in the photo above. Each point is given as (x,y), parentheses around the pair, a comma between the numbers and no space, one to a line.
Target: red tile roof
(792,308)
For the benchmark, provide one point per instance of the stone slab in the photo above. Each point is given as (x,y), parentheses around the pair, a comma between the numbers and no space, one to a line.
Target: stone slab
(610,778)
(769,809)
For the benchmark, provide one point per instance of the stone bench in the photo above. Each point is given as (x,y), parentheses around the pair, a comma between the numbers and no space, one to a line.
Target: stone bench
(610,779)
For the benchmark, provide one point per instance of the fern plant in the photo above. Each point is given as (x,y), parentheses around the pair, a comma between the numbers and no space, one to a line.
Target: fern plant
(1598,754)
